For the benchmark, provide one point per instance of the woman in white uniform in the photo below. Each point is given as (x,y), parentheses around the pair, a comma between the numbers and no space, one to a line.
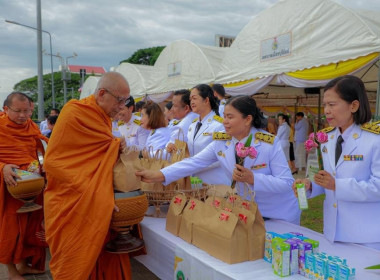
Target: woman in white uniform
(351,159)
(220,94)
(153,119)
(268,174)
(203,103)
(283,134)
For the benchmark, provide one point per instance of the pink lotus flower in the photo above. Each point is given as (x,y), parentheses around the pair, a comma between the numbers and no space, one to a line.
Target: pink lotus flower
(310,144)
(243,151)
(322,137)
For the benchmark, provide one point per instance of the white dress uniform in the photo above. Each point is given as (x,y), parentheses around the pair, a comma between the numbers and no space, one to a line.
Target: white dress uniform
(115,128)
(351,213)
(221,107)
(181,126)
(210,123)
(133,133)
(283,134)
(158,138)
(272,177)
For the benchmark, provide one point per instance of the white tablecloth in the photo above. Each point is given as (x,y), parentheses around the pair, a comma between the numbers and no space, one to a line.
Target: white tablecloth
(162,248)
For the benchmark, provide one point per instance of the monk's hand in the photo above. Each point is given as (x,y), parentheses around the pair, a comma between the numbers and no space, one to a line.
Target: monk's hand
(9,175)
(123,144)
(325,179)
(301,181)
(150,176)
(171,148)
(242,174)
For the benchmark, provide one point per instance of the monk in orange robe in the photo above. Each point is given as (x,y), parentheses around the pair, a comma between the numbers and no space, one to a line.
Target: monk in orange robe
(79,198)
(20,137)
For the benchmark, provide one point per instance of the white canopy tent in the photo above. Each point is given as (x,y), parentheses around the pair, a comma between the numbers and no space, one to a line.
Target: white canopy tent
(183,64)
(89,86)
(302,44)
(138,77)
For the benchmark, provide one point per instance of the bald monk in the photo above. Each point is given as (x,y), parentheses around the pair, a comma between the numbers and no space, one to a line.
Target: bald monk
(20,138)
(79,198)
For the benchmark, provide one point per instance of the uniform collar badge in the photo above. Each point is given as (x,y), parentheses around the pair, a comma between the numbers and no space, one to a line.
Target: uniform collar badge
(228,143)
(256,141)
(332,137)
(355,135)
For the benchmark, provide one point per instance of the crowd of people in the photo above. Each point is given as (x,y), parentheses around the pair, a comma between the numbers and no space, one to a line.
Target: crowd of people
(86,138)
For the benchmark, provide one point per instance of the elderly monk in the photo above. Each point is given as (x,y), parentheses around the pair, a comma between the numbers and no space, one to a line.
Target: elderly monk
(79,198)
(20,138)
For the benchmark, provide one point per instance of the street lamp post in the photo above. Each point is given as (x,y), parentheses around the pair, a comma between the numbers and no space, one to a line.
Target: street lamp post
(51,58)
(65,77)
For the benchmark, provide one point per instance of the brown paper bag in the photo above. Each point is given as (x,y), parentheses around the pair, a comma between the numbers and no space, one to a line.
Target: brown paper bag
(192,212)
(151,162)
(124,178)
(174,215)
(181,153)
(249,214)
(222,235)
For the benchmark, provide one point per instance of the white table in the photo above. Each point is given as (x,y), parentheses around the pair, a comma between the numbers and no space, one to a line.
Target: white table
(162,248)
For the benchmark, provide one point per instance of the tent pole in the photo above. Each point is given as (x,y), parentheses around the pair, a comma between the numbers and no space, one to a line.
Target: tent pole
(377,114)
(319,110)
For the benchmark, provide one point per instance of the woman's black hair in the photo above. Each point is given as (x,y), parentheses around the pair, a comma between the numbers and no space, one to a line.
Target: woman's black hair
(285,117)
(205,91)
(169,105)
(351,88)
(219,89)
(247,106)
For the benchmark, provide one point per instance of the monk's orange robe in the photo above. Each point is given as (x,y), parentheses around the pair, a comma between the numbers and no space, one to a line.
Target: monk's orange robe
(18,145)
(79,198)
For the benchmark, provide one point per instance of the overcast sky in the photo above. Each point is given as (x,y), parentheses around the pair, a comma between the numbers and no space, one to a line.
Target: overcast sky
(103,33)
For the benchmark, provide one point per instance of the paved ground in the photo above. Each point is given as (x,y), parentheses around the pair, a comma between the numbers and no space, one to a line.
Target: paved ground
(139,272)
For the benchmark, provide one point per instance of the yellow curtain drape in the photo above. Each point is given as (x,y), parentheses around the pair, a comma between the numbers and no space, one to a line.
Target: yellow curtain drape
(333,70)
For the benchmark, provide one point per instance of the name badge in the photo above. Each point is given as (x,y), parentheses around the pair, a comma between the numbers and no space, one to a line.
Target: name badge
(353,157)
(259,166)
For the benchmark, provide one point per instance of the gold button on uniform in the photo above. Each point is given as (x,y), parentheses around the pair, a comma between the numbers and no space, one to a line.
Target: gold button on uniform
(334,205)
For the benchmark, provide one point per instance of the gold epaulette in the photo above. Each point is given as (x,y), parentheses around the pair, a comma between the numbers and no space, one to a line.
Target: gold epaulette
(218,119)
(265,137)
(120,122)
(327,129)
(136,121)
(373,127)
(137,114)
(221,136)
(195,120)
(175,122)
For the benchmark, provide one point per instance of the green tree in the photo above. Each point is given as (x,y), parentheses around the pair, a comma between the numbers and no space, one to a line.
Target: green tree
(30,86)
(145,56)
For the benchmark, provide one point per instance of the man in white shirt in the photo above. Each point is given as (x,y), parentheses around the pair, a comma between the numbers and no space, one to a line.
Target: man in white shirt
(183,115)
(131,130)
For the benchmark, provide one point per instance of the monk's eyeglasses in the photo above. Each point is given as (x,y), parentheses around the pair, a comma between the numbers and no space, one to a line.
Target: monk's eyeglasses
(120,100)
(25,112)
